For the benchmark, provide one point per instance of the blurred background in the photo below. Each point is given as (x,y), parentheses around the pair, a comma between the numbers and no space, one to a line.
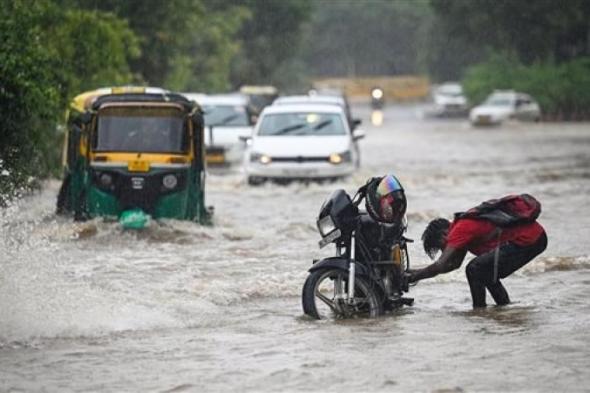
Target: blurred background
(51,50)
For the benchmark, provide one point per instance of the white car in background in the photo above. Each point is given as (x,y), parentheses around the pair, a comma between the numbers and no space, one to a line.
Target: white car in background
(505,104)
(301,141)
(449,100)
(227,119)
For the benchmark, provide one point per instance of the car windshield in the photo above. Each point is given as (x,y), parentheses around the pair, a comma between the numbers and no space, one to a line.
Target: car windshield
(302,123)
(145,130)
(225,115)
(450,90)
(498,101)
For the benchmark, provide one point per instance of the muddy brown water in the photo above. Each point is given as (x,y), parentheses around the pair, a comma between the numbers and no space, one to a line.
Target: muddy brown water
(178,307)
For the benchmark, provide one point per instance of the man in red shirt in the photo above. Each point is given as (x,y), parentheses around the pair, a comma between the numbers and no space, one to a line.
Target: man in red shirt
(509,248)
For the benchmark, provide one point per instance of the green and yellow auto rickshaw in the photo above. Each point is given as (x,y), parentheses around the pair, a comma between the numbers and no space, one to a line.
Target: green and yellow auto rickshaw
(132,153)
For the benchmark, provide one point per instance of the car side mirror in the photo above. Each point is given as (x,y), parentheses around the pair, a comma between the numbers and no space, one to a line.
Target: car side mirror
(76,129)
(85,118)
(356,122)
(246,139)
(358,134)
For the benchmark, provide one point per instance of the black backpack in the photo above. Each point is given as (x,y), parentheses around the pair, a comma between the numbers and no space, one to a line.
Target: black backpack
(506,212)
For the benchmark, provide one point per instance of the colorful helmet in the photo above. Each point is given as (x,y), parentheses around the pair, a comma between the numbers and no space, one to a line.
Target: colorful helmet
(386,200)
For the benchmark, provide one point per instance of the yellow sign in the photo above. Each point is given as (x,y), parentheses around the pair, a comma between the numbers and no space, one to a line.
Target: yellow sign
(128,89)
(138,166)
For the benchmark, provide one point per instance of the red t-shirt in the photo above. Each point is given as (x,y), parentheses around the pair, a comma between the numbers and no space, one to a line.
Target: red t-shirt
(468,234)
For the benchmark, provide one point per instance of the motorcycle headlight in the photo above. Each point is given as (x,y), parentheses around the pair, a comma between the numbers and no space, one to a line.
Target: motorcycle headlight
(170,181)
(377,94)
(261,158)
(339,158)
(326,225)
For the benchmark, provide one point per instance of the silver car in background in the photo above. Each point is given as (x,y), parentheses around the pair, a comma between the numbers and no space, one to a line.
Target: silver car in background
(449,100)
(228,117)
(502,105)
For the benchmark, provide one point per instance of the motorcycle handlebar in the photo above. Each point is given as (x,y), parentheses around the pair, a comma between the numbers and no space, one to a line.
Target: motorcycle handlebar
(361,193)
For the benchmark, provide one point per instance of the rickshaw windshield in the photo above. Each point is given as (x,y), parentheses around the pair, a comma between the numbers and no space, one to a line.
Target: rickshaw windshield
(141,130)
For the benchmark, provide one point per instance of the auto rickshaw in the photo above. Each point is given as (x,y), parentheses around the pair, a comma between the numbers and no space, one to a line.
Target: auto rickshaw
(133,153)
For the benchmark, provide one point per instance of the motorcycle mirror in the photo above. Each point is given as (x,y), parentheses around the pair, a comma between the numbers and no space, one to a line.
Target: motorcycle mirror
(85,118)
(358,134)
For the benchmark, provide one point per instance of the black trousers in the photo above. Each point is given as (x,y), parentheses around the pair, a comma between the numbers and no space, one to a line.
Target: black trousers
(480,271)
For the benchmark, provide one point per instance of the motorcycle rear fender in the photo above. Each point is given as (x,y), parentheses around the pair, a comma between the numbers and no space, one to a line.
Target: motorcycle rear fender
(338,263)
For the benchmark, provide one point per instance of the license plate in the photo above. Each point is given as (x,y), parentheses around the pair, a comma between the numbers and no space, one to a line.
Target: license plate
(330,238)
(299,172)
(137,183)
(484,119)
(138,166)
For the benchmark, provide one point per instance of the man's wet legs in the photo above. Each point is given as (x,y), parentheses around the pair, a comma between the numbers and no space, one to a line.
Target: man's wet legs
(480,271)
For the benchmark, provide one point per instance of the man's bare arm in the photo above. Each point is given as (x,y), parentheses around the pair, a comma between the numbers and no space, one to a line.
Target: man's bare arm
(450,259)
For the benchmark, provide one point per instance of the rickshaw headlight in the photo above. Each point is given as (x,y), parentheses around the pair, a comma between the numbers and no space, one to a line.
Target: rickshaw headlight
(170,181)
(106,180)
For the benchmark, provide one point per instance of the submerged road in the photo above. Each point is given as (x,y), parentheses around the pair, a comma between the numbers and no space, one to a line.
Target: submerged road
(179,307)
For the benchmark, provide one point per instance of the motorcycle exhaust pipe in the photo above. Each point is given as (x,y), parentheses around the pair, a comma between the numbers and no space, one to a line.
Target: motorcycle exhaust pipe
(351,270)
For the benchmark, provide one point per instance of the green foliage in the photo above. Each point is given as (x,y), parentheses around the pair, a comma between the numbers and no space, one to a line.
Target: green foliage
(28,97)
(372,37)
(269,42)
(563,90)
(203,62)
(161,26)
(47,55)
(92,48)
(185,45)
(467,31)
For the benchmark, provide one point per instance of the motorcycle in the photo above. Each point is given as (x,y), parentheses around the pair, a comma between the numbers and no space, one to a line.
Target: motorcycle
(377,104)
(366,276)
(377,98)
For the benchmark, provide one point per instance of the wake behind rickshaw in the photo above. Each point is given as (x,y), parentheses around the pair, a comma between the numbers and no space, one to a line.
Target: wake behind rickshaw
(132,153)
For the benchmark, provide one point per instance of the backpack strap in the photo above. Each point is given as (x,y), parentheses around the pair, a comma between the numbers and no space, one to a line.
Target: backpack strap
(497,256)
(496,233)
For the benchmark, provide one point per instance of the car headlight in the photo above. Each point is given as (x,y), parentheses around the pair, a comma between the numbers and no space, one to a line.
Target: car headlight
(261,158)
(339,158)
(170,181)
(326,225)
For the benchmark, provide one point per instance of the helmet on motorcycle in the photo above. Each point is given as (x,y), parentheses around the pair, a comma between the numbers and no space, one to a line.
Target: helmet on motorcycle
(386,200)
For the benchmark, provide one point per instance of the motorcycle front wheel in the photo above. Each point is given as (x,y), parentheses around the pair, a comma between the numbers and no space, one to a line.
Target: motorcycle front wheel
(325,292)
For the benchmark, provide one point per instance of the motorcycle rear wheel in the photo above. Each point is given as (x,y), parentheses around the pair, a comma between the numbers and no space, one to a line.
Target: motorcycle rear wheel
(320,296)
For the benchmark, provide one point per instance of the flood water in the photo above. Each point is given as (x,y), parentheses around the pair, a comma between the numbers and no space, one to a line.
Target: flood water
(179,307)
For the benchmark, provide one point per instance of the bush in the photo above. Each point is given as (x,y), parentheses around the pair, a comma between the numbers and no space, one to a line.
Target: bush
(29,98)
(47,55)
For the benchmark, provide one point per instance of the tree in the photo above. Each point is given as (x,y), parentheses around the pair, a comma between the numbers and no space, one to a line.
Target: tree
(29,99)
(533,30)
(92,49)
(48,53)
(269,41)
(373,37)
